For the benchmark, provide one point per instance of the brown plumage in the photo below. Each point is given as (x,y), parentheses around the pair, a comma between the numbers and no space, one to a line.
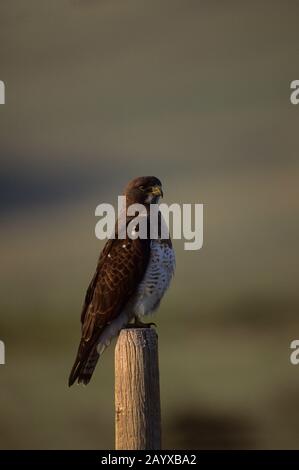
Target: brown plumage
(118,274)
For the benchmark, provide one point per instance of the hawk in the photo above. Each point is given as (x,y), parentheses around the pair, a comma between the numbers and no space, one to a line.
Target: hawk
(131,277)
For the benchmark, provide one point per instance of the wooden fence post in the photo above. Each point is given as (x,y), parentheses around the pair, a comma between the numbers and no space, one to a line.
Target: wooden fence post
(137,390)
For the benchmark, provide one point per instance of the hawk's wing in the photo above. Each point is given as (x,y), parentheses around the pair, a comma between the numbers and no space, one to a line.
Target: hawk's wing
(120,268)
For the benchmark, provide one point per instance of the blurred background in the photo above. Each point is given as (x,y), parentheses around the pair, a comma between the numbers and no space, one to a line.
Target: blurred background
(196,93)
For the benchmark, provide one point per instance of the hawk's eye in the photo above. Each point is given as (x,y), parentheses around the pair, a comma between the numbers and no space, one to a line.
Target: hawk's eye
(141,188)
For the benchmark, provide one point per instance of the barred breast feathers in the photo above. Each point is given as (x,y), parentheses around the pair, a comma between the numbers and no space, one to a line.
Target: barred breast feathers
(156,279)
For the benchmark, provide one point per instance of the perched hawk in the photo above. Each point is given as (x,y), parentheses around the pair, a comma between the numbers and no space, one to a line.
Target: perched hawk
(131,278)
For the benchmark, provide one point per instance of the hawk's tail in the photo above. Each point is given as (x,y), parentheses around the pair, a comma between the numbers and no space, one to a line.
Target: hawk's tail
(85,364)
(89,352)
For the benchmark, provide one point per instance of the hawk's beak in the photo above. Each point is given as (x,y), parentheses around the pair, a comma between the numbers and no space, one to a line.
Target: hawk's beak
(157,191)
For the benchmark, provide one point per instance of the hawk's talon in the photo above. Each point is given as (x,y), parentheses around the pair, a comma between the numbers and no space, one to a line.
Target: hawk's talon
(139,324)
(148,325)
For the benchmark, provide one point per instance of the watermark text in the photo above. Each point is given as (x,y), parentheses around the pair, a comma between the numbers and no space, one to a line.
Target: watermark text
(294,97)
(2,92)
(2,353)
(136,221)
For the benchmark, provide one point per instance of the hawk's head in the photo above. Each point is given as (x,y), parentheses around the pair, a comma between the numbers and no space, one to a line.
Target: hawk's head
(144,190)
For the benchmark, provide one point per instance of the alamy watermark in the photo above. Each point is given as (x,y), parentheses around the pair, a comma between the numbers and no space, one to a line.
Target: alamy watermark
(187,222)
(2,353)
(2,92)
(294,96)
(294,356)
